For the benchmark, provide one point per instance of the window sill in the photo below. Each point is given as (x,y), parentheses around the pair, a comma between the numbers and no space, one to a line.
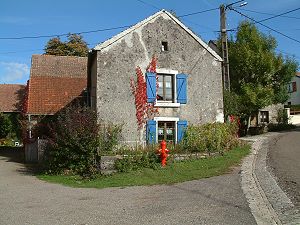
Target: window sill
(167,104)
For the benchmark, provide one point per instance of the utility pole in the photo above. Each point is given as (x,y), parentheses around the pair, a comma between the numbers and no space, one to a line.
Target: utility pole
(224,45)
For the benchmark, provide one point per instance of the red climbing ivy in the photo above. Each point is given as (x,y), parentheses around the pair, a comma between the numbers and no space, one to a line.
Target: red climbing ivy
(144,110)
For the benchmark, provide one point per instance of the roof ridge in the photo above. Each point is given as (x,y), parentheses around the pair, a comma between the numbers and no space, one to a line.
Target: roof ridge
(122,34)
(70,56)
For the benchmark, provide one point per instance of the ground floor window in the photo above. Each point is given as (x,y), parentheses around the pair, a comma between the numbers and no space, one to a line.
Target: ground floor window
(170,129)
(264,116)
(166,131)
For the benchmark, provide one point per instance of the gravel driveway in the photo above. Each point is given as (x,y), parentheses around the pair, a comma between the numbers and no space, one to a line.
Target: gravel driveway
(26,200)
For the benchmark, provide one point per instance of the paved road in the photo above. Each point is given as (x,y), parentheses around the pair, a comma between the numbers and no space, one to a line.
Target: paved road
(284,159)
(27,200)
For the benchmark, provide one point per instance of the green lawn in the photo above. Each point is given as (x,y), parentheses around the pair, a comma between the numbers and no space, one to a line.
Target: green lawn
(173,173)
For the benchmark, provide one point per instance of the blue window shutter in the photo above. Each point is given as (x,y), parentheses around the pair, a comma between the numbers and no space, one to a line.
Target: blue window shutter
(181,84)
(151,86)
(151,132)
(181,127)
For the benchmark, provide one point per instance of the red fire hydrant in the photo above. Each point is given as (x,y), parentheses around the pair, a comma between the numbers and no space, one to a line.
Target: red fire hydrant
(163,151)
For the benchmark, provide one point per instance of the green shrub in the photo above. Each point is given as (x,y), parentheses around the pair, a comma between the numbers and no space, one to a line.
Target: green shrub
(211,137)
(282,122)
(5,125)
(280,127)
(109,137)
(73,142)
(136,160)
(282,117)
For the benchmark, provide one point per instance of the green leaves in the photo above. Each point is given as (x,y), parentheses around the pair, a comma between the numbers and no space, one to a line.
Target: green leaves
(211,137)
(5,125)
(258,75)
(75,46)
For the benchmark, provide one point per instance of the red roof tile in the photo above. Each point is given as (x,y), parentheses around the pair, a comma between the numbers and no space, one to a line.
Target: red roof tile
(55,81)
(11,97)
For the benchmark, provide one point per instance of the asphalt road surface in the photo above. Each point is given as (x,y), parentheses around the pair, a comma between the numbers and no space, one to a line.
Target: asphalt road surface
(25,200)
(284,160)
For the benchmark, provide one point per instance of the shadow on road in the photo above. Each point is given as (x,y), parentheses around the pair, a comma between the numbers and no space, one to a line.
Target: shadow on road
(17,155)
(12,154)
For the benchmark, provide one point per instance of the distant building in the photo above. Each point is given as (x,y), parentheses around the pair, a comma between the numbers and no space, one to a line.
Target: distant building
(294,90)
(11,98)
(55,81)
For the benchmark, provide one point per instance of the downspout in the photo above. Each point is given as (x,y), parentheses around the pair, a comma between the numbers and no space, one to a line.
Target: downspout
(29,127)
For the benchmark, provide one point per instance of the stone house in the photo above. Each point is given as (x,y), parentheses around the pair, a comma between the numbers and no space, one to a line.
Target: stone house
(189,86)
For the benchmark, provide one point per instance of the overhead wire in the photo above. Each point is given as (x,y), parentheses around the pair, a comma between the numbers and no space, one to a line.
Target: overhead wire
(270,14)
(93,31)
(279,15)
(272,17)
(258,22)
(64,34)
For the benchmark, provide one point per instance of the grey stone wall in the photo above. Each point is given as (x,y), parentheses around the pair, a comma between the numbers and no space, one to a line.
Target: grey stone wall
(117,63)
(273,109)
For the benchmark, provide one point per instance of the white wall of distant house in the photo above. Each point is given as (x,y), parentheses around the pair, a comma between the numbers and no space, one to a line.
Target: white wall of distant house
(295,96)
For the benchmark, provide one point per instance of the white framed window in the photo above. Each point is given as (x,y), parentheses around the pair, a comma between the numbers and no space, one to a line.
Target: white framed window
(170,129)
(167,91)
(166,129)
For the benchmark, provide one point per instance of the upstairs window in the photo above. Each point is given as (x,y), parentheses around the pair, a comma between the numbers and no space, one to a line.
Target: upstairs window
(164,46)
(292,87)
(165,90)
(168,90)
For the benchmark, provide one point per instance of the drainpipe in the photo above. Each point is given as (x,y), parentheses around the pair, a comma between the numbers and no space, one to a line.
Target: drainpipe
(29,127)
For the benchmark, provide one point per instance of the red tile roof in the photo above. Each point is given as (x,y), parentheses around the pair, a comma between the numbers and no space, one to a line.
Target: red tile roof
(55,81)
(11,97)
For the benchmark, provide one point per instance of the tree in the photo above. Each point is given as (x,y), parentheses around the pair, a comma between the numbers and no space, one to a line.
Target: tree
(259,76)
(75,46)
(5,125)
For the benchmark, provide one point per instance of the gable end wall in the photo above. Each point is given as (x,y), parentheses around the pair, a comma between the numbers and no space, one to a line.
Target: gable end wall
(117,63)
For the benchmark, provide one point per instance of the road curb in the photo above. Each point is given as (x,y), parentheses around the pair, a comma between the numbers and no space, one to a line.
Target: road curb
(268,203)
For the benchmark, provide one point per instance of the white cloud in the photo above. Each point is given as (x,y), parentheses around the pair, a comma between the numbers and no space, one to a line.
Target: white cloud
(11,72)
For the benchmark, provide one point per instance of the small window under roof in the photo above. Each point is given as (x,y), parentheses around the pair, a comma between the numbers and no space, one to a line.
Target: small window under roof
(164,46)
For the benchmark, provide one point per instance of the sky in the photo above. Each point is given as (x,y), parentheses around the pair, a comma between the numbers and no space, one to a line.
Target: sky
(34,18)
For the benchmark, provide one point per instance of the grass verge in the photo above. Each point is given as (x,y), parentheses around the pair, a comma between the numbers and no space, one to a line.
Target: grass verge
(173,173)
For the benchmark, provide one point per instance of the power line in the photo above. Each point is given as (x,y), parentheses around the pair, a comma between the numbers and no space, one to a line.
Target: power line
(65,34)
(270,14)
(272,17)
(149,4)
(195,13)
(266,26)
(94,31)
(189,14)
